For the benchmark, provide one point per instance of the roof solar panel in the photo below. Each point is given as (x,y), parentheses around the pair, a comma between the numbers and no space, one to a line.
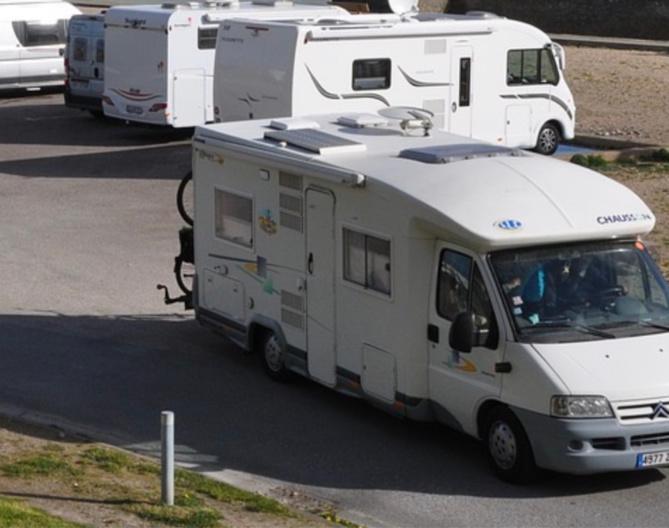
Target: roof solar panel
(458,152)
(315,141)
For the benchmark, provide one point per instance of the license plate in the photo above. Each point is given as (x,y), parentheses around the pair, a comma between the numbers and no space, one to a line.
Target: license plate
(132,109)
(652,459)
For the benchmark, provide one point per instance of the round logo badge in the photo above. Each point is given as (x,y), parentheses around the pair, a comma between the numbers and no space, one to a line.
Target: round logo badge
(509,224)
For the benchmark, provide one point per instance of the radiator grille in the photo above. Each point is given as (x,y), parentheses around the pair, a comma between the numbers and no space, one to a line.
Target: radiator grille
(290,203)
(649,411)
(290,221)
(650,439)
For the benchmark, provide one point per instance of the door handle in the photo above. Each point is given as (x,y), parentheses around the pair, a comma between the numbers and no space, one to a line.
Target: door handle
(454,107)
(310,264)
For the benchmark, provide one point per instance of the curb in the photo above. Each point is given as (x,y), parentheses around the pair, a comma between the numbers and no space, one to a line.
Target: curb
(611,42)
(607,143)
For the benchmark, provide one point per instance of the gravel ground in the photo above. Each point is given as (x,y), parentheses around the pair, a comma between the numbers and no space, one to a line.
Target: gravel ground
(622,94)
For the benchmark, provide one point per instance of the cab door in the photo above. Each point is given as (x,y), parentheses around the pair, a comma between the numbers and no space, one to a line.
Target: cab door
(459,381)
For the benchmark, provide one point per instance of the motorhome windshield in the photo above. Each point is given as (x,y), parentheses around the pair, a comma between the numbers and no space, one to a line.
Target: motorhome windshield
(583,291)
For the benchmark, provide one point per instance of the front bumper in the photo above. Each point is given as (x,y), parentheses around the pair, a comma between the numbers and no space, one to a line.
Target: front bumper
(590,445)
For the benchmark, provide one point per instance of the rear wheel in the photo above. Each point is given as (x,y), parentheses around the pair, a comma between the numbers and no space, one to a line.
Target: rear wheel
(548,139)
(273,358)
(509,449)
(185,198)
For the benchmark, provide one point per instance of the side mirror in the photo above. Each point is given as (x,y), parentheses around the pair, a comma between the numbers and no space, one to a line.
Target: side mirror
(561,56)
(461,337)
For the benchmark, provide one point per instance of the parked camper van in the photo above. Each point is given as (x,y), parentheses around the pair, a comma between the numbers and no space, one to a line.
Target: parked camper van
(32,39)
(440,278)
(85,63)
(481,76)
(171,81)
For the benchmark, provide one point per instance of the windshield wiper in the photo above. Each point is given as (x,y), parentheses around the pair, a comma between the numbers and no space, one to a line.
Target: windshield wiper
(647,324)
(580,327)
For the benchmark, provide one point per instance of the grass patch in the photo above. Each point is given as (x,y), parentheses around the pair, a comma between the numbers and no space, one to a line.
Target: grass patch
(176,515)
(222,492)
(16,514)
(590,161)
(46,464)
(333,518)
(107,459)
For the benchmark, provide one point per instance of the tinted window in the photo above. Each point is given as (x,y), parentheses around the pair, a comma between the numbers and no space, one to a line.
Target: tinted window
(461,289)
(79,49)
(100,51)
(465,81)
(533,66)
(367,261)
(35,33)
(371,74)
(234,217)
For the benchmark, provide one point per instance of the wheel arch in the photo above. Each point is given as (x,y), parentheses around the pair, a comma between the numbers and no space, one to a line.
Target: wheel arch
(259,326)
(483,413)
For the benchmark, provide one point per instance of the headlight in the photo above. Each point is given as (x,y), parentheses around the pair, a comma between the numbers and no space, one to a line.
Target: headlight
(580,407)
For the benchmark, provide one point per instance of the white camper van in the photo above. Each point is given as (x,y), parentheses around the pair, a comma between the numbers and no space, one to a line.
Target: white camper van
(171,81)
(85,63)
(32,40)
(440,278)
(481,76)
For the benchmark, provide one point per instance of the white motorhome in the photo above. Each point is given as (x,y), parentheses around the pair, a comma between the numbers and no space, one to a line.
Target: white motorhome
(171,81)
(32,40)
(482,76)
(85,63)
(439,278)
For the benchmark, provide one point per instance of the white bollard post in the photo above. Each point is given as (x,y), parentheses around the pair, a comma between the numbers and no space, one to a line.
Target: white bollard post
(167,458)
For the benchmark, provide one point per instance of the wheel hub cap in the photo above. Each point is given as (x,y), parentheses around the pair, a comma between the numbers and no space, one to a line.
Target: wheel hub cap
(273,354)
(502,444)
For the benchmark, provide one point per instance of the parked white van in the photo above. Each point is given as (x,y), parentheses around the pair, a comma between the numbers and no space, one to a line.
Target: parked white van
(440,278)
(85,63)
(32,40)
(171,81)
(482,76)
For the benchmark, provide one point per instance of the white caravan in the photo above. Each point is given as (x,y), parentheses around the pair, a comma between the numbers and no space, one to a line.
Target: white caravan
(440,278)
(32,40)
(159,65)
(481,76)
(85,63)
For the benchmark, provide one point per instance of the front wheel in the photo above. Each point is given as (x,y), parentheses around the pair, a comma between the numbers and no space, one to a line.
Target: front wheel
(509,449)
(273,358)
(548,140)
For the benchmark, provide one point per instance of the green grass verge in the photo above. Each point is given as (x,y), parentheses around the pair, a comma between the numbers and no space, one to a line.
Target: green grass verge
(16,514)
(194,482)
(176,515)
(45,464)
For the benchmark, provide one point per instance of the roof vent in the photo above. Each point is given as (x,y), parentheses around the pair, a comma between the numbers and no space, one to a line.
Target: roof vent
(293,123)
(458,152)
(361,120)
(314,141)
(410,118)
(272,2)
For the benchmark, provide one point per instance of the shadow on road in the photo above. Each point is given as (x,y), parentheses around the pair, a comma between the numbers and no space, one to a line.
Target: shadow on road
(150,163)
(33,121)
(117,373)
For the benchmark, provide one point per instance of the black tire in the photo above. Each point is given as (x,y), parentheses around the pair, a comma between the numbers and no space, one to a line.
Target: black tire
(272,355)
(97,114)
(184,273)
(180,198)
(548,140)
(509,450)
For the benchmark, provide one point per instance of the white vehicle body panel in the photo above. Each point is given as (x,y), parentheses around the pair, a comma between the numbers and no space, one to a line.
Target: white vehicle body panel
(32,40)
(85,58)
(375,343)
(171,82)
(283,68)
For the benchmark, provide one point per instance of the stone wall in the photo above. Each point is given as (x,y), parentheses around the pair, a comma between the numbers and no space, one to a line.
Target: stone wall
(645,19)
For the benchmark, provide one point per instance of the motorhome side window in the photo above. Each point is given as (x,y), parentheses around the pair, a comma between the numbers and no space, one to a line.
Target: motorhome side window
(206,38)
(460,288)
(234,217)
(532,66)
(38,33)
(100,51)
(80,46)
(371,74)
(367,261)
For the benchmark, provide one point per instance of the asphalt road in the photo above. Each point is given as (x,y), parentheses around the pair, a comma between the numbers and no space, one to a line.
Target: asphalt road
(88,227)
